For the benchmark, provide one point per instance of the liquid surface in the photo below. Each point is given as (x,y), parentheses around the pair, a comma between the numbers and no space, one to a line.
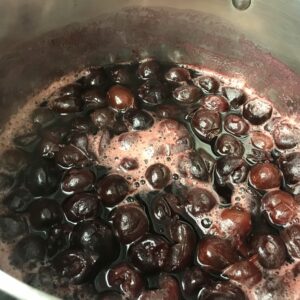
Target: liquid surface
(152,181)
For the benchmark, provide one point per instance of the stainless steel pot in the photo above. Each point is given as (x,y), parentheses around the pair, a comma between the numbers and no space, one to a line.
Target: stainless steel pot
(42,40)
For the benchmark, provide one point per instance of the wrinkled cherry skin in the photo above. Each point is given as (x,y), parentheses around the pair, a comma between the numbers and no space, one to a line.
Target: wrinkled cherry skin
(236,97)
(181,253)
(112,189)
(148,69)
(290,166)
(286,135)
(265,176)
(127,279)
(150,254)
(257,111)
(120,97)
(152,92)
(270,250)
(236,125)
(206,83)
(158,175)
(129,222)
(279,206)
(215,102)
(262,141)
(291,238)
(215,253)
(222,291)
(244,272)
(70,156)
(187,94)
(227,144)
(77,180)
(193,280)
(177,75)
(168,290)
(58,239)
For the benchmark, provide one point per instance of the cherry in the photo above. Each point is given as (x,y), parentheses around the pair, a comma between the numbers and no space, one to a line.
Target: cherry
(70,89)
(77,180)
(31,248)
(42,117)
(279,206)
(97,237)
(236,97)
(138,119)
(231,170)
(290,166)
(257,111)
(236,125)
(222,291)
(121,75)
(169,111)
(13,160)
(209,161)
(112,189)
(129,222)
(291,238)
(200,201)
(120,97)
(94,98)
(244,272)
(215,253)
(43,213)
(265,176)
(70,156)
(127,279)
(95,77)
(168,290)
(150,254)
(26,141)
(148,69)
(182,251)
(206,124)
(215,102)
(206,83)
(227,144)
(193,280)
(160,209)
(81,206)
(129,164)
(42,178)
(103,117)
(58,239)
(74,265)
(158,175)
(66,104)
(82,124)
(49,145)
(187,94)
(235,222)
(285,135)
(11,227)
(152,92)
(18,200)
(177,75)
(271,251)
(262,141)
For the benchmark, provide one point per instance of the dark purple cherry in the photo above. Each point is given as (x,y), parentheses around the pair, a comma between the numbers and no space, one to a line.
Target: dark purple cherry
(31,248)
(129,222)
(49,144)
(265,176)
(208,160)
(148,69)
(112,189)
(128,163)
(236,125)
(236,97)
(178,75)
(187,94)
(207,124)
(290,166)
(70,156)
(26,141)
(121,75)
(286,135)
(42,178)
(67,104)
(11,227)
(257,111)
(95,77)
(80,141)
(158,175)
(103,117)
(244,272)
(271,251)
(77,180)
(81,206)
(200,201)
(262,141)
(58,239)
(70,89)
(120,97)
(279,206)
(126,279)
(206,83)
(137,119)
(227,144)
(94,98)
(193,280)
(82,124)
(13,160)
(216,103)
(18,200)
(152,92)
(74,265)
(215,253)
(150,254)
(291,238)
(43,213)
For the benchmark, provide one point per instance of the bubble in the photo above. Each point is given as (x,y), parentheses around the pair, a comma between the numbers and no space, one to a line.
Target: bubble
(241,4)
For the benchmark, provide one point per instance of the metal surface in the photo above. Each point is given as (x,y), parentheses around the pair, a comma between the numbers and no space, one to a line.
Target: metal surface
(42,40)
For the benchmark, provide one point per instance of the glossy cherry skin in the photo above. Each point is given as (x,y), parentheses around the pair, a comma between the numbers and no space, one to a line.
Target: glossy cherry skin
(120,97)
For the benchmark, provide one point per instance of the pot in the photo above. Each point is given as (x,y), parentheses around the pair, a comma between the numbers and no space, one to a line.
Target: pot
(40,41)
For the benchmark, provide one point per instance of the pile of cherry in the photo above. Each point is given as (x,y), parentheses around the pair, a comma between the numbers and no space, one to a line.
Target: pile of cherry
(86,223)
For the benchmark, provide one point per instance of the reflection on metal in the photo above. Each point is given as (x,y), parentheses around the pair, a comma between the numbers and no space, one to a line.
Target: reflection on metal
(241,4)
